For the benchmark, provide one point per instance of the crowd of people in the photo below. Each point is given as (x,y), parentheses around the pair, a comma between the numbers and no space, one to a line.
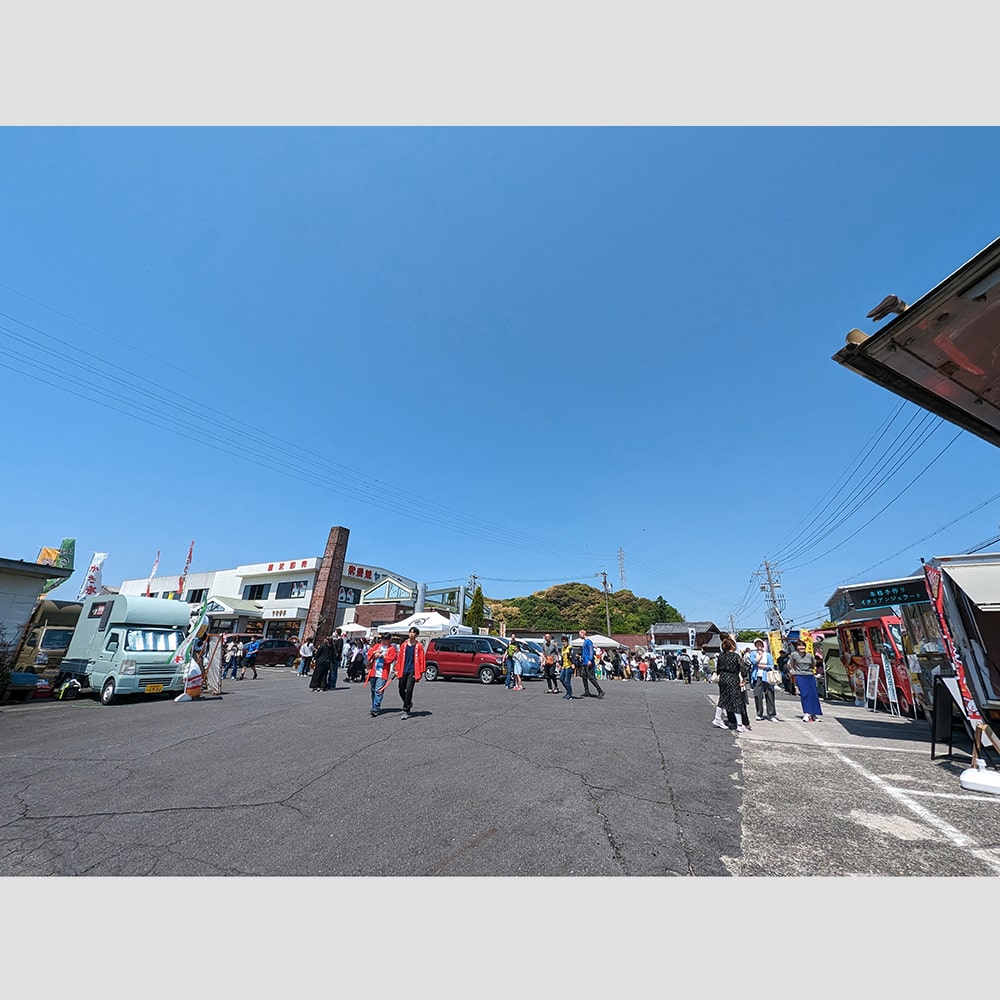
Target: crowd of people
(757,670)
(377,661)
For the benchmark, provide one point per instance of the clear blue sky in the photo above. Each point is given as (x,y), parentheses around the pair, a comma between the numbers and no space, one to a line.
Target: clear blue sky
(501,351)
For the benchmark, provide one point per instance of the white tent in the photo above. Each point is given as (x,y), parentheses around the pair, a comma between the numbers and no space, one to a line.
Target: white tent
(429,623)
(598,640)
(350,627)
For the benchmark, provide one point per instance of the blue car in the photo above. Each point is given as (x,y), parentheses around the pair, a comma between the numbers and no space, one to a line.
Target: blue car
(531,658)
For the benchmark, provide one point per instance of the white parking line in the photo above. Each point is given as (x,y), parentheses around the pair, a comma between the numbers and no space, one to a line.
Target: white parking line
(959,839)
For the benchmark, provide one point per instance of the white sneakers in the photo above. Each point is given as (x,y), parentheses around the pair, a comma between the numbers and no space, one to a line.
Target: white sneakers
(719,724)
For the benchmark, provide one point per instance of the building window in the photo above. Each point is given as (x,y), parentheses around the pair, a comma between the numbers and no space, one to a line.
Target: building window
(256,591)
(296,589)
(169,595)
(197,596)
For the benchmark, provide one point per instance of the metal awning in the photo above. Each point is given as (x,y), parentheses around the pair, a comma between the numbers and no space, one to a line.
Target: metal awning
(980,582)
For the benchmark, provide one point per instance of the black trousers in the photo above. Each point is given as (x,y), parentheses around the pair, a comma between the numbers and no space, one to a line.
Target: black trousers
(550,677)
(406,683)
(587,672)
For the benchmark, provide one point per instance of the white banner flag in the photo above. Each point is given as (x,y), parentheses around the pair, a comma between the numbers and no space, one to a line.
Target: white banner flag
(92,582)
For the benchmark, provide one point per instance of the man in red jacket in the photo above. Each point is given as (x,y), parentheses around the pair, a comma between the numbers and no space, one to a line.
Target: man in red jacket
(409,669)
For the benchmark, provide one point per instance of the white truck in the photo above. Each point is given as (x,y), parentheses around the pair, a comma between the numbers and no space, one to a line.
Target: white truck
(124,645)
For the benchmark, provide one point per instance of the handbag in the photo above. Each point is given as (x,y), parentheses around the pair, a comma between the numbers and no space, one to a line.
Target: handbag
(715,677)
(772,676)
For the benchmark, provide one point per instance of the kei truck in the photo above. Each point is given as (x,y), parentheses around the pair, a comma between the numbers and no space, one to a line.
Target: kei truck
(124,645)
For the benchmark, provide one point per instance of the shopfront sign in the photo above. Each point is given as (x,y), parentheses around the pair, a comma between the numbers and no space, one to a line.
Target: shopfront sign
(283,567)
(365,573)
(867,597)
(278,613)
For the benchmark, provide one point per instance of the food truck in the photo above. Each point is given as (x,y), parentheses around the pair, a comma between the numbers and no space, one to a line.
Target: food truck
(875,649)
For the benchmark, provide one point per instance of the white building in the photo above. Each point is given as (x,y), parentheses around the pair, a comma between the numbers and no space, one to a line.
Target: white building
(270,599)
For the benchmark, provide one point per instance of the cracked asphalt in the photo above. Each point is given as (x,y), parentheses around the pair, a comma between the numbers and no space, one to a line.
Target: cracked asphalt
(271,779)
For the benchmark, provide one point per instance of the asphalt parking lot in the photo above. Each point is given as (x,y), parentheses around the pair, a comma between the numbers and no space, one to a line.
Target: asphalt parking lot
(271,779)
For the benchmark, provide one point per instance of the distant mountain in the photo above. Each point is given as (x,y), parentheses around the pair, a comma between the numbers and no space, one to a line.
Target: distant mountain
(569,607)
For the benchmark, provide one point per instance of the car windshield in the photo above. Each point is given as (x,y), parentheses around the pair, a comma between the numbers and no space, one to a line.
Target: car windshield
(57,638)
(152,640)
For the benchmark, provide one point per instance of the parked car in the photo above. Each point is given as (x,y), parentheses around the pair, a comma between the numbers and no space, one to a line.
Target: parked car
(465,656)
(531,657)
(277,653)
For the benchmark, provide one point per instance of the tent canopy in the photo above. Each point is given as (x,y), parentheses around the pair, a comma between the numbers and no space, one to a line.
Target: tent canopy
(598,640)
(351,627)
(429,623)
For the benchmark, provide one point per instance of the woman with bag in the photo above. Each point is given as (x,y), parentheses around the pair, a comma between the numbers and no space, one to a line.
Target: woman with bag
(804,667)
(729,667)
(761,665)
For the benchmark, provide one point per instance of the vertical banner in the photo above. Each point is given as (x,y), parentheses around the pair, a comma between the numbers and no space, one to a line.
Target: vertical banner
(180,660)
(92,582)
(935,589)
(152,573)
(807,637)
(774,641)
(211,663)
(62,558)
(187,566)
(692,638)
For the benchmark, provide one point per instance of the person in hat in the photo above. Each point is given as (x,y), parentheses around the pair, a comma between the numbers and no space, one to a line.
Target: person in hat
(763,693)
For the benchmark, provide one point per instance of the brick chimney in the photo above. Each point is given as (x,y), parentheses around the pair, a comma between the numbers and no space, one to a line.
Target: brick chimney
(322,617)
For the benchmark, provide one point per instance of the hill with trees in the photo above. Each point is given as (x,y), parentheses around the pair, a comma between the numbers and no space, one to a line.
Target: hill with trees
(568,607)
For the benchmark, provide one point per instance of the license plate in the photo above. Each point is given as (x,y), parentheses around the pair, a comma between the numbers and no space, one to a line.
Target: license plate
(153,688)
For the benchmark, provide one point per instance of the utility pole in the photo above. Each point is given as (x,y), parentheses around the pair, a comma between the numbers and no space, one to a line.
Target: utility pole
(775,602)
(732,624)
(473,580)
(607,604)
(621,565)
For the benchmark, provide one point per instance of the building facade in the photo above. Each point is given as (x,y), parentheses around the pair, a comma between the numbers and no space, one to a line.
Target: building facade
(272,599)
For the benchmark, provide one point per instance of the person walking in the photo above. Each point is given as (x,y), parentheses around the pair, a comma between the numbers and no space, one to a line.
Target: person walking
(306,651)
(322,661)
(550,663)
(510,659)
(337,654)
(803,667)
(684,666)
(763,692)
(409,669)
(566,673)
(587,667)
(250,658)
(381,657)
(230,658)
(729,667)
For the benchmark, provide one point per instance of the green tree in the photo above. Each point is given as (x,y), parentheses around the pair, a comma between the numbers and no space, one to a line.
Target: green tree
(475,617)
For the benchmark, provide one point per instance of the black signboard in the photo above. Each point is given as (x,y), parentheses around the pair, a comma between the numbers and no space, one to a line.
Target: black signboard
(890,594)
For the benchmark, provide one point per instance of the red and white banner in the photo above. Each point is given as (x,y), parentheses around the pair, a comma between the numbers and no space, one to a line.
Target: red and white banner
(184,575)
(152,572)
(92,582)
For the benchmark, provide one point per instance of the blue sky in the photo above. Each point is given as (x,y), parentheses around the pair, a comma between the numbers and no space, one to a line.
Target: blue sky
(509,352)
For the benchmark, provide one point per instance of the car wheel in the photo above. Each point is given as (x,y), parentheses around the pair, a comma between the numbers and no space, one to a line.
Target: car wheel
(904,706)
(431,672)
(108,691)
(487,675)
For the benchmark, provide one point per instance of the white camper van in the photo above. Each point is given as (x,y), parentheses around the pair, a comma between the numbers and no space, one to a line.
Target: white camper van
(124,644)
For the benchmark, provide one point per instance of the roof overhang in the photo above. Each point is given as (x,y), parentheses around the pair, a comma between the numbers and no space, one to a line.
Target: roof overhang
(943,351)
(979,581)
